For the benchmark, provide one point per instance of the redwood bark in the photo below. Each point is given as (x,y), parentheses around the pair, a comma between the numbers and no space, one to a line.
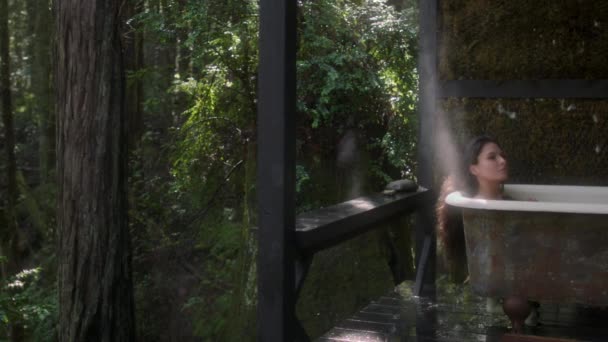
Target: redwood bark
(6,108)
(94,260)
(8,235)
(133,45)
(39,50)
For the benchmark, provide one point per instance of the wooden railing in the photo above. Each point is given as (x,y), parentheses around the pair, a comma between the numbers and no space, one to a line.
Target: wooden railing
(326,227)
(330,226)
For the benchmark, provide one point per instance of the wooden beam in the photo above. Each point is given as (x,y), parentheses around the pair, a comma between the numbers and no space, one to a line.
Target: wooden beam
(592,89)
(276,171)
(427,66)
(422,266)
(532,338)
(326,227)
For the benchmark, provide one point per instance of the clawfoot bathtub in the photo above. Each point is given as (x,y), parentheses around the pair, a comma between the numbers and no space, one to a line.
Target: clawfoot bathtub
(546,243)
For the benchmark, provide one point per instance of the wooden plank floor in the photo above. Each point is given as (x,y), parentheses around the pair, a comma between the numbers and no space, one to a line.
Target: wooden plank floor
(460,316)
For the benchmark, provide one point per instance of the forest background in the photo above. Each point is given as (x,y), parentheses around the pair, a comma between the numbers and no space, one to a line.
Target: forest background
(190,67)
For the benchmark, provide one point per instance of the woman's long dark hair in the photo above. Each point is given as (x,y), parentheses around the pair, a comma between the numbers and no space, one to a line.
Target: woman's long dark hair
(450,232)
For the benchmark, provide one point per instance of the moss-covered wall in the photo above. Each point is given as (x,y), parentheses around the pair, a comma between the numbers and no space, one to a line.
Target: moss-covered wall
(548,141)
(522,39)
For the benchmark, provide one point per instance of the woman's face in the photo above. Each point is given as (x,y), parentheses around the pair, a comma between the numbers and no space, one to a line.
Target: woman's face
(491,164)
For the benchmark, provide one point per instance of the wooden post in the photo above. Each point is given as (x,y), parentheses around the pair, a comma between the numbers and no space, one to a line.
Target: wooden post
(427,66)
(276,171)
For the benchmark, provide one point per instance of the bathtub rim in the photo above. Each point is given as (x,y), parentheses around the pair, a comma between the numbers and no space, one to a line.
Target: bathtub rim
(457,199)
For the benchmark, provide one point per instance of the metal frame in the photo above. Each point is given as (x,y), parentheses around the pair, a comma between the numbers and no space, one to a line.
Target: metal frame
(276,171)
(562,89)
(427,66)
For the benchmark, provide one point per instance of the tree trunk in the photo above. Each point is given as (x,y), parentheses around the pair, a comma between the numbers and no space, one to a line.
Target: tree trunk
(134,61)
(7,118)
(244,301)
(182,64)
(40,52)
(94,259)
(9,238)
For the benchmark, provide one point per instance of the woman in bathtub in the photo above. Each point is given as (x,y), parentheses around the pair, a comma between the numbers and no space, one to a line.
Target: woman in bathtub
(486,168)
(483,173)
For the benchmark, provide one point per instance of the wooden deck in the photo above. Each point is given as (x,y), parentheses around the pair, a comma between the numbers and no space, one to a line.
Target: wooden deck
(460,316)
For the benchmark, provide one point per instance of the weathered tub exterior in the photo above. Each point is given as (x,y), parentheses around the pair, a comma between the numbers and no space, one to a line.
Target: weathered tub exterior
(550,243)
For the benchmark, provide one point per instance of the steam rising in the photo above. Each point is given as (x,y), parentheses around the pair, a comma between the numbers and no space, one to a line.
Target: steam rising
(348,159)
(448,154)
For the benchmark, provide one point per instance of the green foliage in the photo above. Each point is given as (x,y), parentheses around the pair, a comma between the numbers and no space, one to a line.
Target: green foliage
(221,41)
(356,75)
(337,78)
(24,300)
(192,173)
(191,193)
(356,63)
(302,177)
(195,204)
(222,244)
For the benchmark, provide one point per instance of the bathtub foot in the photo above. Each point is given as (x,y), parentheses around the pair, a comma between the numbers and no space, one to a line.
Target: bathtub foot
(517,308)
